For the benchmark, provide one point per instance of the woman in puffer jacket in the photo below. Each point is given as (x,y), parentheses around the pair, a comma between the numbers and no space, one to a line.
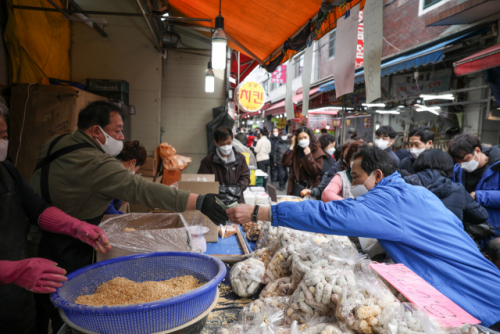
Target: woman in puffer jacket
(434,169)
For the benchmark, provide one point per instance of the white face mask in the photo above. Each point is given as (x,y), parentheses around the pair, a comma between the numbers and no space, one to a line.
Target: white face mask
(111,146)
(276,134)
(330,151)
(225,150)
(284,138)
(304,143)
(471,165)
(360,189)
(415,152)
(4,147)
(381,143)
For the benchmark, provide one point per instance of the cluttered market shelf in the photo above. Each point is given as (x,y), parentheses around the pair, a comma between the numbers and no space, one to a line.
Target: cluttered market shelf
(231,249)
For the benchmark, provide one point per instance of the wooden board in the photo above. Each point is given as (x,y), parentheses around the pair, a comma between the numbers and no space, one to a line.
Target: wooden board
(235,258)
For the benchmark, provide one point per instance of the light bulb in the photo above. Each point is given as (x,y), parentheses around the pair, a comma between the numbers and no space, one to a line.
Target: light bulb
(209,80)
(219,43)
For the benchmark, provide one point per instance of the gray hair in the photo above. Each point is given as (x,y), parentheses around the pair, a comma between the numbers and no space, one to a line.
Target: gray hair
(4,110)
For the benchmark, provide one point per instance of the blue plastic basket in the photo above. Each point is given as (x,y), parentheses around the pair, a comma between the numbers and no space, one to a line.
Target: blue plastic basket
(144,318)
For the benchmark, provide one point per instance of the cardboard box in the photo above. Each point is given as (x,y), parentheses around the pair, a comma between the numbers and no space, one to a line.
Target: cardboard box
(51,110)
(174,224)
(152,165)
(198,177)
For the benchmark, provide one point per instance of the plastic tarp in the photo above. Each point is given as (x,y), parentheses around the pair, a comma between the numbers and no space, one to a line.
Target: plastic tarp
(150,232)
(261,26)
(38,43)
(432,54)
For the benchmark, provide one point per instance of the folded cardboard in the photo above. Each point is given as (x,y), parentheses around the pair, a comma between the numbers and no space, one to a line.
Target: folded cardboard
(157,226)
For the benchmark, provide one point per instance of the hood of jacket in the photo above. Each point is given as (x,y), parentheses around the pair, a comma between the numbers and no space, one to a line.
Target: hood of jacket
(440,185)
(493,154)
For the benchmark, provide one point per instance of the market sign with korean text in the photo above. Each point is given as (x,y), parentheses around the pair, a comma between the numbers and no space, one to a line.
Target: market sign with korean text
(424,295)
(407,86)
(251,96)
(279,75)
(360,45)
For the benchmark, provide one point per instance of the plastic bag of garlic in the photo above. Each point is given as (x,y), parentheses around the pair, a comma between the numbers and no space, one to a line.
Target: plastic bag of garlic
(268,321)
(320,325)
(278,288)
(246,277)
(258,308)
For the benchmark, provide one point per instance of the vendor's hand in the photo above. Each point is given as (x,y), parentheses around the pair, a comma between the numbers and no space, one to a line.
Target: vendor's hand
(473,195)
(305,192)
(275,165)
(209,207)
(241,214)
(307,150)
(35,274)
(93,236)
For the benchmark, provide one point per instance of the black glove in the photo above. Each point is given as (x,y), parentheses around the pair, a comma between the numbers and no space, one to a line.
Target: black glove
(210,208)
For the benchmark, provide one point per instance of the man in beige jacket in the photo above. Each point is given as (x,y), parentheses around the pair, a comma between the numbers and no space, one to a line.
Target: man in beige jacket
(78,174)
(263,149)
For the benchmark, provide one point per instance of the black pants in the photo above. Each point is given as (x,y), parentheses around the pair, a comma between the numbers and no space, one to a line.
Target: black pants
(274,170)
(45,310)
(496,327)
(264,166)
(282,175)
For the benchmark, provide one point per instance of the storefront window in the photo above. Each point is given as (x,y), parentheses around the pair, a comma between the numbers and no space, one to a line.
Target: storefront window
(331,44)
(265,86)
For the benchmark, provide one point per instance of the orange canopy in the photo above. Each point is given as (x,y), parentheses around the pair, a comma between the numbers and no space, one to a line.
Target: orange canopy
(260,27)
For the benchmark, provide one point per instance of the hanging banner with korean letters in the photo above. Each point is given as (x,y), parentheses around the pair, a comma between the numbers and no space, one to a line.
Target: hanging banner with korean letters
(345,52)
(361,43)
(288,93)
(250,96)
(279,75)
(306,79)
(373,42)
(407,86)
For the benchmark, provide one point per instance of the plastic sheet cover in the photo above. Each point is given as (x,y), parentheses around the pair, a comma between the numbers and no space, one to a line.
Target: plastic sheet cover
(150,232)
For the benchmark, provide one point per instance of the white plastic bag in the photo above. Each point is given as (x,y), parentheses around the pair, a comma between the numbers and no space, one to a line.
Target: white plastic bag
(246,277)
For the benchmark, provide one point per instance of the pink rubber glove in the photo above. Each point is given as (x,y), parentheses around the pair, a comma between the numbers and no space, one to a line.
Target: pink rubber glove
(35,274)
(56,221)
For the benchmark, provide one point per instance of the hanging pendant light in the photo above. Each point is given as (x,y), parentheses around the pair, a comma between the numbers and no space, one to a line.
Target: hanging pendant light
(219,43)
(209,79)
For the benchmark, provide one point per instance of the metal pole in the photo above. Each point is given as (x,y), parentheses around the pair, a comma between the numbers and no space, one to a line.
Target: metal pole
(155,39)
(95,25)
(100,12)
(59,9)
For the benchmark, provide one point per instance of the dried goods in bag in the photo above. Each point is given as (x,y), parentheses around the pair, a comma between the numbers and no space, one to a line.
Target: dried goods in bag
(281,263)
(257,308)
(269,321)
(277,288)
(367,307)
(246,277)
(262,255)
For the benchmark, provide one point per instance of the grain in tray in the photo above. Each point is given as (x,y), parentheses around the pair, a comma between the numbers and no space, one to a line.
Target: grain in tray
(122,291)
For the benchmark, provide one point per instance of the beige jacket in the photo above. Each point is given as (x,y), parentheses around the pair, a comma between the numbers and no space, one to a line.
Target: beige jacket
(84,182)
(263,149)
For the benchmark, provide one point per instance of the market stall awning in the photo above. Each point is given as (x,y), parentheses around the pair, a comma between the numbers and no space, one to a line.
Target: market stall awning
(247,65)
(468,11)
(259,28)
(429,55)
(483,60)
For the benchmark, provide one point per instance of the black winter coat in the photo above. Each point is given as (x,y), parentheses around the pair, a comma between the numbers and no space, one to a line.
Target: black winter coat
(407,164)
(453,195)
(326,178)
(279,150)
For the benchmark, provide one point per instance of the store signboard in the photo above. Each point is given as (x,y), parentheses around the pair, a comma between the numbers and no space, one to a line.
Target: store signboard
(279,75)
(408,86)
(251,96)
(320,121)
(361,43)
(424,295)
(280,123)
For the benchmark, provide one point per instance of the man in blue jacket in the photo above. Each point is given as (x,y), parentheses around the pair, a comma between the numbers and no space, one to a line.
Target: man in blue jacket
(478,170)
(411,224)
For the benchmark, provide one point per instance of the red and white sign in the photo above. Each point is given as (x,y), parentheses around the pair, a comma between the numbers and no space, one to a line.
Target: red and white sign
(424,295)
(361,44)
(279,75)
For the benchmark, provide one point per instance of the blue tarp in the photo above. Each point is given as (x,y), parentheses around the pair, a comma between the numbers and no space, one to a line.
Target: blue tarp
(432,54)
